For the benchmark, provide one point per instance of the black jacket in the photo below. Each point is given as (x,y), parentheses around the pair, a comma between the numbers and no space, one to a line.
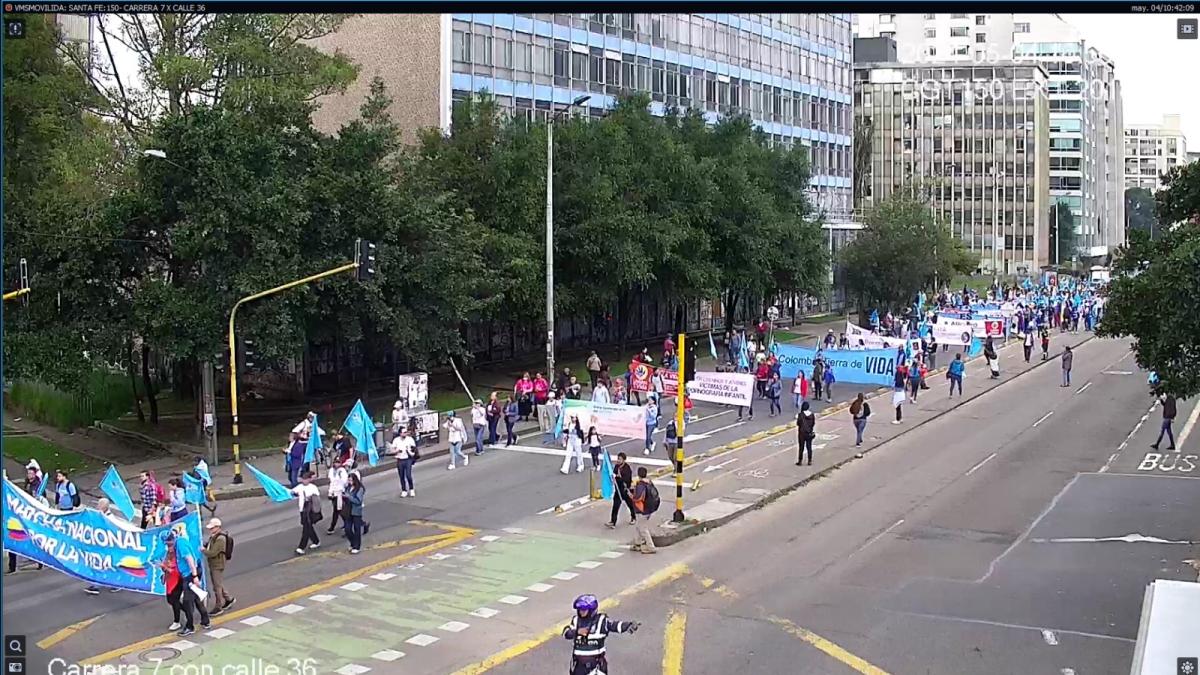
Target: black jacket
(1168,404)
(806,425)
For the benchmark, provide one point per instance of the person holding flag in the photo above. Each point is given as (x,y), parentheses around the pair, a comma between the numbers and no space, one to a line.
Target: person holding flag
(359,425)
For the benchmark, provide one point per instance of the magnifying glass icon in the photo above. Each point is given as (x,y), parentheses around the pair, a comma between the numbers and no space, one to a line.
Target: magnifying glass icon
(16,647)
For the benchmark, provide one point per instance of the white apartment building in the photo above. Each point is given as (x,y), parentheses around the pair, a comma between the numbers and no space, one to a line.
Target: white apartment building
(1153,149)
(1086,126)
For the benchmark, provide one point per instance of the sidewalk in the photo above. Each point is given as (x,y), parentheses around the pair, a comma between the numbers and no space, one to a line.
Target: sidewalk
(772,466)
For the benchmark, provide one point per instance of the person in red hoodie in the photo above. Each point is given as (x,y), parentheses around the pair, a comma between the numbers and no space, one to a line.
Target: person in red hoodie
(799,390)
(761,375)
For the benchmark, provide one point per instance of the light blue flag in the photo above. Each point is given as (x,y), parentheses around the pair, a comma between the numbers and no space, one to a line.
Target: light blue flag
(193,490)
(712,346)
(606,476)
(314,442)
(114,488)
(359,425)
(275,490)
(558,423)
(203,473)
(41,491)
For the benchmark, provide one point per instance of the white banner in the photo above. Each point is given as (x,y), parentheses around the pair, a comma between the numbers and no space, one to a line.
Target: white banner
(861,338)
(610,419)
(728,388)
(949,331)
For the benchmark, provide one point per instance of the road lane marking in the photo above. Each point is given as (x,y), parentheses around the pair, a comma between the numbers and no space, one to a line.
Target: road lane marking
(672,660)
(453,535)
(1024,535)
(1188,426)
(876,538)
(1015,626)
(667,574)
(1083,388)
(845,657)
(377,547)
(1050,638)
(979,465)
(1125,442)
(1044,418)
(58,636)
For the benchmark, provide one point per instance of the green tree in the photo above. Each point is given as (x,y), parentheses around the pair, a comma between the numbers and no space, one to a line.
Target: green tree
(900,252)
(1155,295)
(1139,209)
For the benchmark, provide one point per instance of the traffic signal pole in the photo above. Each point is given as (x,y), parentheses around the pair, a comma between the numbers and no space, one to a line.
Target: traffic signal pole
(233,391)
(680,420)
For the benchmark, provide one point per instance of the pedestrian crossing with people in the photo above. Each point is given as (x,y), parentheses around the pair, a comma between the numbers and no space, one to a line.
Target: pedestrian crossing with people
(400,612)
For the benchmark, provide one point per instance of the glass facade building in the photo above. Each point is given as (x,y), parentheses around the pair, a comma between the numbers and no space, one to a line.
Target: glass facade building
(790,73)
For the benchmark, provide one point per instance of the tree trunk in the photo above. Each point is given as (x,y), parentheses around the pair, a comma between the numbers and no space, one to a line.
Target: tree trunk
(148,383)
(680,318)
(129,366)
(731,302)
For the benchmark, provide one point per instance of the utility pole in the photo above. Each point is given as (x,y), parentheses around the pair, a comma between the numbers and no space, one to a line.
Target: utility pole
(680,420)
(210,410)
(550,231)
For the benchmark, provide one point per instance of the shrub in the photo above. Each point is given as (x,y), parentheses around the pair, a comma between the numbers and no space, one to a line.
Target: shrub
(102,396)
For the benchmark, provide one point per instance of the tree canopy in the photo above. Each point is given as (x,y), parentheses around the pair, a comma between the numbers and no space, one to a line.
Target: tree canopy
(1155,292)
(1139,207)
(900,252)
(134,252)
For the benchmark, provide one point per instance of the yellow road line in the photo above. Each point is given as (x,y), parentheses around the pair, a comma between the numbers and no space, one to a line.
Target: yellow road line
(826,646)
(672,661)
(670,573)
(804,634)
(57,637)
(454,534)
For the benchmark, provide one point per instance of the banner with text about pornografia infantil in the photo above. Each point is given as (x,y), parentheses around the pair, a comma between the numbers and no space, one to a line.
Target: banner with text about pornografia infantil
(610,419)
(92,546)
(727,388)
(861,366)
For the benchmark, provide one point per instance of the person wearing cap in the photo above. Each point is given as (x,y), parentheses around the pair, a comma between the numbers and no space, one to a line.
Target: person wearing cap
(216,553)
(478,424)
(456,434)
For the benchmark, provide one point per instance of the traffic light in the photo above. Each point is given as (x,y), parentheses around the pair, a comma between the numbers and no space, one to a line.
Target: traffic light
(689,363)
(247,355)
(364,260)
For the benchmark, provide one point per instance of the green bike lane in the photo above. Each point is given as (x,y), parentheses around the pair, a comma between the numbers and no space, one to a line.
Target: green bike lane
(393,619)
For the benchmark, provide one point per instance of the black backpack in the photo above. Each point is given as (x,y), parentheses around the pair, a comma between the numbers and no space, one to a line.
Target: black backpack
(652,502)
(228,546)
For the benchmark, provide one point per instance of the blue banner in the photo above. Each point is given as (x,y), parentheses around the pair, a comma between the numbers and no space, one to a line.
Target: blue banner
(91,546)
(275,490)
(115,489)
(862,366)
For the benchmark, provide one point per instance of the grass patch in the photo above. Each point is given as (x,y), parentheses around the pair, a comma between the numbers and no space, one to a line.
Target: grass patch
(104,395)
(48,455)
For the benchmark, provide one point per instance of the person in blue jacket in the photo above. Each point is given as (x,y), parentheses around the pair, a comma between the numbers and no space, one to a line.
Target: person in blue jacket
(955,373)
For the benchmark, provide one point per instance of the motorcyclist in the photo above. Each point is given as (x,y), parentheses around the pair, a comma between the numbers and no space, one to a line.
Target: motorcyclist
(588,630)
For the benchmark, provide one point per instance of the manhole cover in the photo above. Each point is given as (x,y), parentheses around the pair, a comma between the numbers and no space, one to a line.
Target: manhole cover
(159,654)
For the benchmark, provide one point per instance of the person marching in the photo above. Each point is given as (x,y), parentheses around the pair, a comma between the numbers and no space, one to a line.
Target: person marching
(1028,345)
(405,450)
(217,551)
(993,360)
(1045,335)
(573,442)
(595,446)
(806,427)
(588,630)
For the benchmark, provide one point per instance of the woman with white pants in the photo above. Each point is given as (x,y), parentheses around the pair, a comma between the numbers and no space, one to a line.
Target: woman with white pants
(573,440)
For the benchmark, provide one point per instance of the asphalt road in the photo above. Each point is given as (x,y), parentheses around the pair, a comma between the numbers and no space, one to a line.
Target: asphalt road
(1016,534)
(503,488)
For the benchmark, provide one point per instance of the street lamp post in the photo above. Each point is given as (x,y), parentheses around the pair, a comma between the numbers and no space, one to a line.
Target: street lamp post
(207,393)
(550,231)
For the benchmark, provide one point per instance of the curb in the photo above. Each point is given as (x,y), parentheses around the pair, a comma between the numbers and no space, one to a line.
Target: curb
(695,527)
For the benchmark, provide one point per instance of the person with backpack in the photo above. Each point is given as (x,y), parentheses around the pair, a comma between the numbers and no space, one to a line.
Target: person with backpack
(1169,409)
(66,495)
(218,551)
(860,410)
(672,439)
(308,499)
(645,503)
(806,427)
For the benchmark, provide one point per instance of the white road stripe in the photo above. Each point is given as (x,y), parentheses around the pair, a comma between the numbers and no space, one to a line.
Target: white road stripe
(985,461)
(1188,426)
(1084,388)
(1044,417)
(1067,671)
(876,538)
(1050,638)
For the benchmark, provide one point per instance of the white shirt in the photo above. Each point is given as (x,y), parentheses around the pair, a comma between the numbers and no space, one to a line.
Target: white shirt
(402,447)
(338,477)
(600,395)
(303,428)
(454,430)
(303,492)
(478,415)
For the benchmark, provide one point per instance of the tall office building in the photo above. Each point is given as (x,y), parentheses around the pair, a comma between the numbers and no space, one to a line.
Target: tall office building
(975,138)
(1153,149)
(790,73)
(1086,131)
